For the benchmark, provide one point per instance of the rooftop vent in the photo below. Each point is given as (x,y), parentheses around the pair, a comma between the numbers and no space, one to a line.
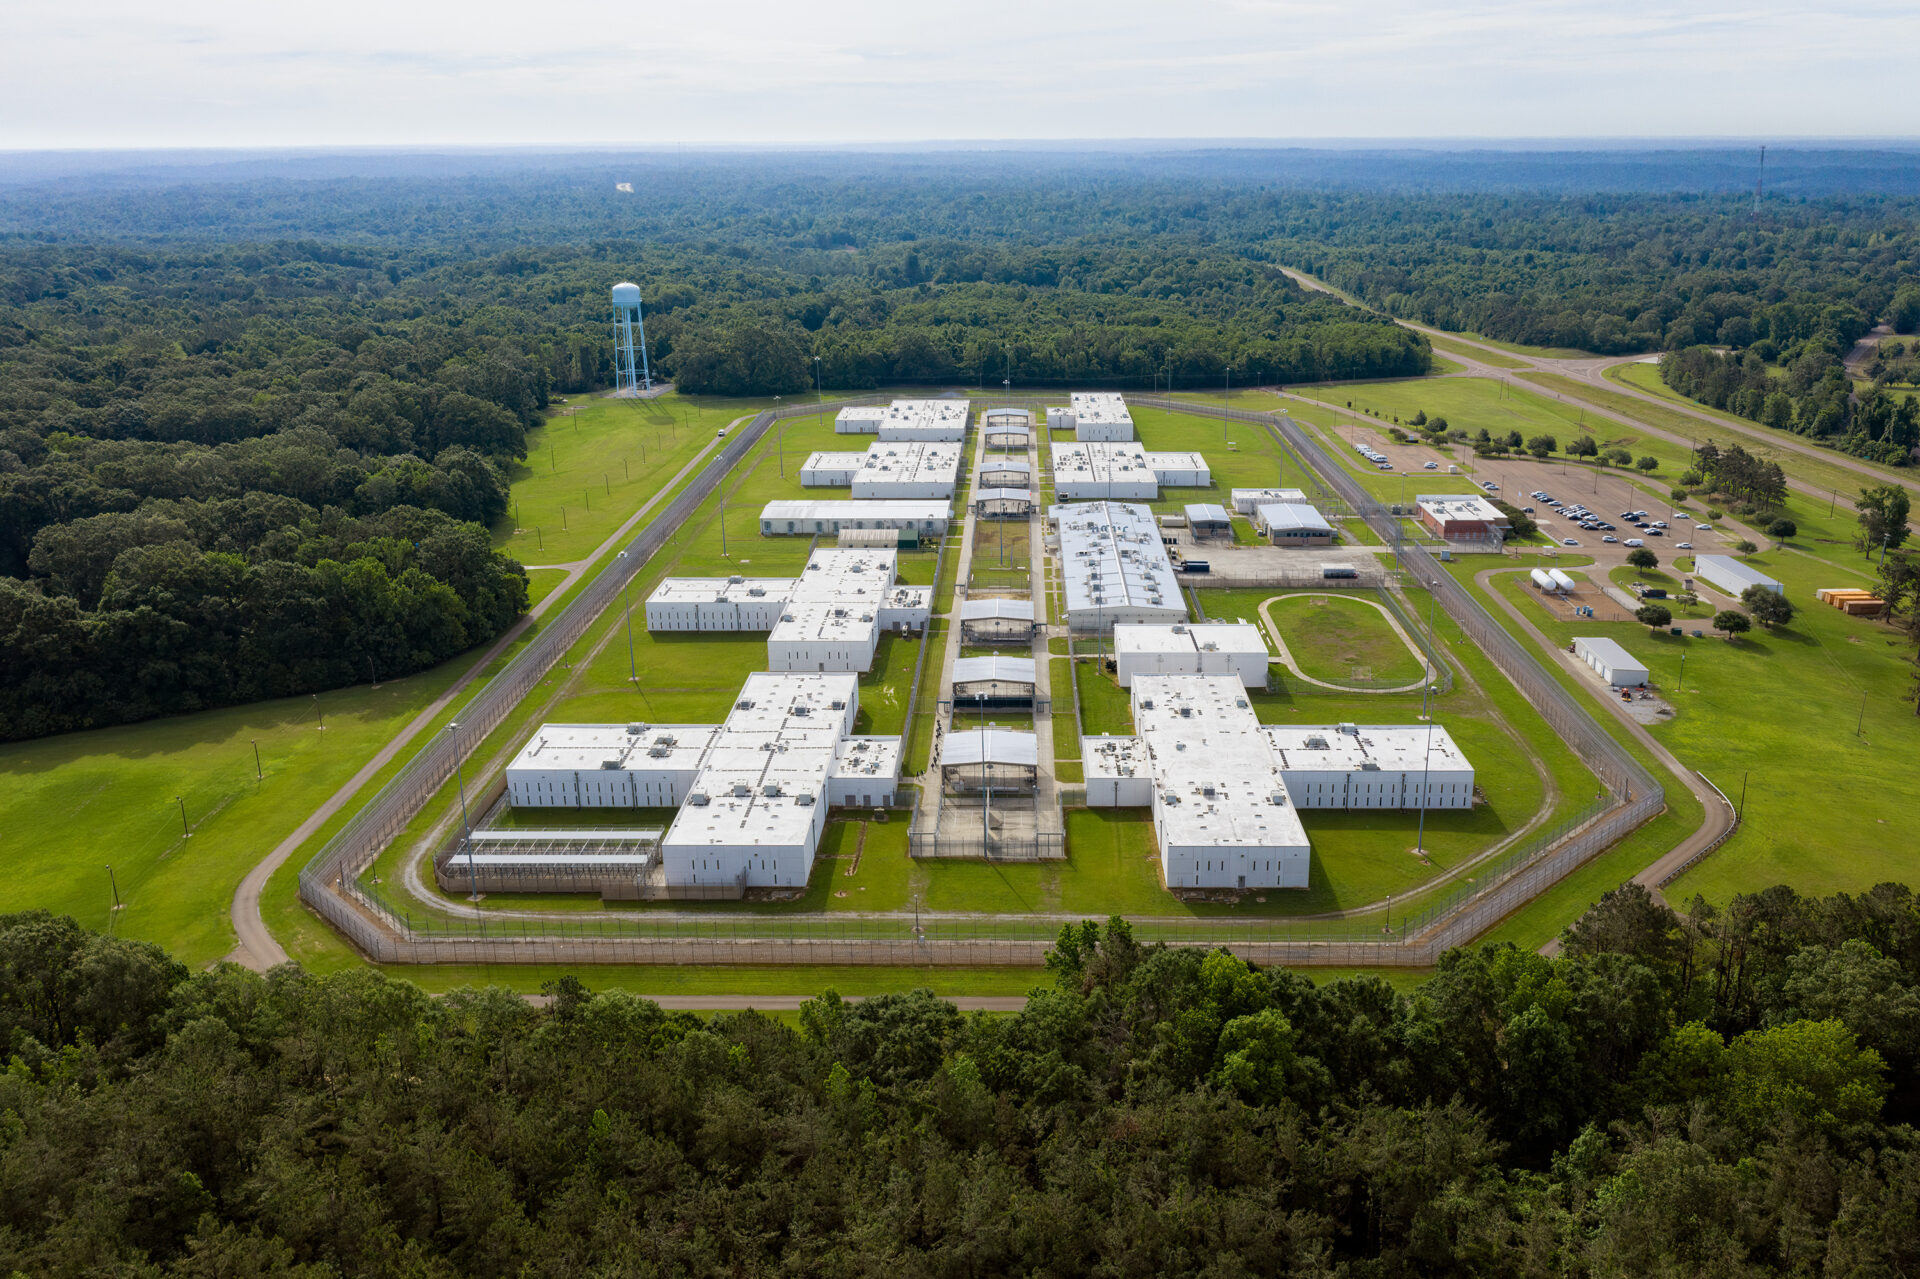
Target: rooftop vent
(698,799)
(742,790)
(803,801)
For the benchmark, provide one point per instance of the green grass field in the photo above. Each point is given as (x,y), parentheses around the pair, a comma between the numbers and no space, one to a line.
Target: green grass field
(1472,353)
(73,805)
(1336,637)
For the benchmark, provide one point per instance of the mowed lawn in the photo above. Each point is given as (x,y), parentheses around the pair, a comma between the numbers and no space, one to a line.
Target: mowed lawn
(1828,808)
(1338,637)
(73,805)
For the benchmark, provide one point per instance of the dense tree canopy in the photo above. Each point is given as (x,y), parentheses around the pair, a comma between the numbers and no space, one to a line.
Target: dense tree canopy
(1728,1094)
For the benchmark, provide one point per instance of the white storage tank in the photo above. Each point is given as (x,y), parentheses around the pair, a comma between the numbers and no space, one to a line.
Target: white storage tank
(1561,580)
(626,294)
(1541,581)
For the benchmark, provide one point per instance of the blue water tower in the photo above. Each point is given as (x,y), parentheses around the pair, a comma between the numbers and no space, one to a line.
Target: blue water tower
(630,375)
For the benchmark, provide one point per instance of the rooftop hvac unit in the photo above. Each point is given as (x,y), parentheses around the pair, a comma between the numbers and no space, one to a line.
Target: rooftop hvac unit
(742,790)
(610,763)
(1278,799)
(1186,712)
(698,799)
(1351,729)
(736,579)
(1369,766)
(660,752)
(744,704)
(839,704)
(1208,791)
(634,730)
(803,801)
(771,790)
(756,591)
(802,710)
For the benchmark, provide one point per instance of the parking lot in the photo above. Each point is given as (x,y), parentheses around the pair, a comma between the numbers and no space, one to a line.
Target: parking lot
(1604,492)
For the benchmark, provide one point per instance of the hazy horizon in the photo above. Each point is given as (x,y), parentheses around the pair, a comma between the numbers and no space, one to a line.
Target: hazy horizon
(220,74)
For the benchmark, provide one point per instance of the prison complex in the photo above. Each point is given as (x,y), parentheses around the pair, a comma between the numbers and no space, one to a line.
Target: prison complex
(1115,567)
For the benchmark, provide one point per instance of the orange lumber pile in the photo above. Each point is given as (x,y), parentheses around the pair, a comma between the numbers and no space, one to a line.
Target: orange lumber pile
(1854,603)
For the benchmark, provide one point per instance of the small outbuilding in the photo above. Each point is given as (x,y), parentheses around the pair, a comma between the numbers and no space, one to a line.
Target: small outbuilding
(994,683)
(1732,576)
(1001,759)
(1003,503)
(996,621)
(1614,664)
(1208,519)
(1006,473)
(1292,524)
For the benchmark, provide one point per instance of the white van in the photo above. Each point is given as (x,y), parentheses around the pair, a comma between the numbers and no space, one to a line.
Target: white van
(1634,541)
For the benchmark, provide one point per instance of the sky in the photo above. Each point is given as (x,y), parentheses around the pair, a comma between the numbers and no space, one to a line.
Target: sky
(255,73)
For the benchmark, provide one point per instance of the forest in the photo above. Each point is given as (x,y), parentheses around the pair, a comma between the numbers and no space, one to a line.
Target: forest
(1730,1092)
(258,421)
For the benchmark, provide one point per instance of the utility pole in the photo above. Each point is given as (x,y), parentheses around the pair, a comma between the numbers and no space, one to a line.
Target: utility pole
(780,437)
(258,772)
(1740,813)
(184,832)
(1229,406)
(723,528)
(114,884)
(1860,726)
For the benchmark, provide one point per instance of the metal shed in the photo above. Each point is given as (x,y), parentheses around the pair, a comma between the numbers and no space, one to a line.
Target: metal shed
(996,621)
(1003,759)
(1209,519)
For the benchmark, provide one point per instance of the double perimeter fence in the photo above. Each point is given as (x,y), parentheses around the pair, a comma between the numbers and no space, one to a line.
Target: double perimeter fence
(1439,920)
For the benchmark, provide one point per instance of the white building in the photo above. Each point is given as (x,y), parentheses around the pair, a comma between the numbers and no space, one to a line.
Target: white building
(859,419)
(828,619)
(1614,663)
(1095,415)
(1246,500)
(804,518)
(1226,791)
(1115,567)
(1191,648)
(887,471)
(905,420)
(1098,471)
(1731,576)
(1292,524)
(753,792)
(925,420)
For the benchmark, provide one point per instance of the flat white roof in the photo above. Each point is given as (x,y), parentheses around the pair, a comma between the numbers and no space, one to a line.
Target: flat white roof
(1729,568)
(1219,784)
(1460,506)
(1397,748)
(1003,495)
(1099,406)
(847,576)
(978,610)
(1189,637)
(1207,513)
(1010,670)
(1111,557)
(990,746)
(1259,497)
(1286,515)
(1100,462)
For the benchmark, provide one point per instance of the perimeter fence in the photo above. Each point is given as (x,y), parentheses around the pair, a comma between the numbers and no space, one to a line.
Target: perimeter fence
(1453,913)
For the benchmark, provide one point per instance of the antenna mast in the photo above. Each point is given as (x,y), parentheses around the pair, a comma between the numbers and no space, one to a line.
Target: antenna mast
(1759,181)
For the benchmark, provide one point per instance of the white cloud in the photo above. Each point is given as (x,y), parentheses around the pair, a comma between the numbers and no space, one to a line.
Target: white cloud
(113,73)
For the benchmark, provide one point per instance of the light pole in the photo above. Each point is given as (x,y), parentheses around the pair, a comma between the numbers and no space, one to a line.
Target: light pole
(818,394)
(626,604)
(1426,766)
(1229,404)
(258,772)
(466,827)
(184,832)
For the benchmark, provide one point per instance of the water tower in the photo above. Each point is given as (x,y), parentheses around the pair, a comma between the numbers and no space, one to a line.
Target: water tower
(630,377)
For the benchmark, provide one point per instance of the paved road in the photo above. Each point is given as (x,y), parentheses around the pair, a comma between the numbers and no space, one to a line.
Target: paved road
(1592,369)
(255,946)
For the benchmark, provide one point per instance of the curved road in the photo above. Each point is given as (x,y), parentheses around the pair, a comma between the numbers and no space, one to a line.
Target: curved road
(255,946)
(1592,369)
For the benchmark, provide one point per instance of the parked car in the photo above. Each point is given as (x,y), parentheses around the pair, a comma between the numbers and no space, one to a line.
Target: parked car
(1704,528)
(1567,541)
(1634,541)
(1683,546)
(1609,538)
(1432,466)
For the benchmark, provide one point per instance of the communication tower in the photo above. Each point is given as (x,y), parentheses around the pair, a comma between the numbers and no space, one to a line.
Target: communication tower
(630,376)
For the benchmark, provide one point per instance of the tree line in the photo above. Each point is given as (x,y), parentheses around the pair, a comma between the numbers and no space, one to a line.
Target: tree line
(1731,1092)
(1812,397)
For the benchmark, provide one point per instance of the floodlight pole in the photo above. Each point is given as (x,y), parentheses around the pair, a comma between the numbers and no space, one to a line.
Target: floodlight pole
(1426,770)
(258,772)
(114,884)
(817,393)
(780,438)
(1229,404)
(466,826)
(182,801)
(633,672)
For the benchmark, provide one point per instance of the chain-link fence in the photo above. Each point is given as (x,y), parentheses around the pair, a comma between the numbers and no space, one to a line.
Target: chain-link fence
(1449,915)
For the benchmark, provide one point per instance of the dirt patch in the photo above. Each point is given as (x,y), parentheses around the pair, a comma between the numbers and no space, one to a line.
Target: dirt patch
(859,847)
